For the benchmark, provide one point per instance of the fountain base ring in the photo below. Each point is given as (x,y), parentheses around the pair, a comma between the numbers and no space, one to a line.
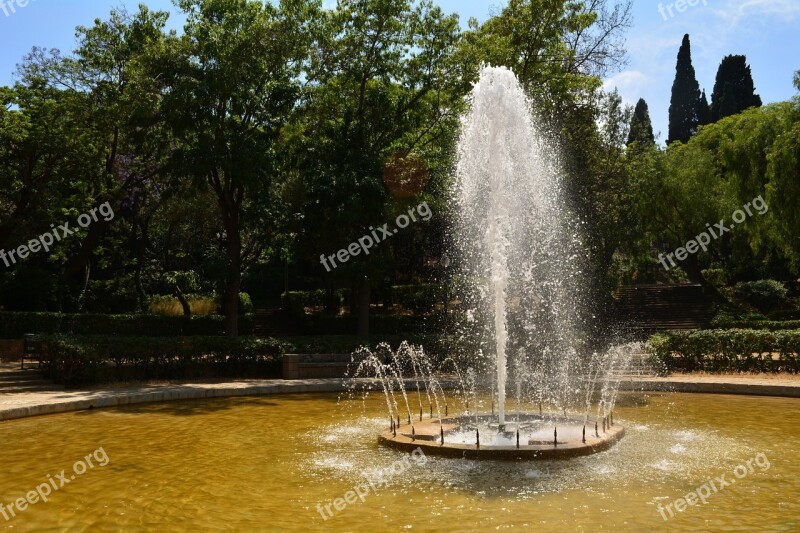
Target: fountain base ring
(426,435)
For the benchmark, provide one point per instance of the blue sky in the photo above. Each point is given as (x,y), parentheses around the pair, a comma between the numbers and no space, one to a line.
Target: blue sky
(766,31)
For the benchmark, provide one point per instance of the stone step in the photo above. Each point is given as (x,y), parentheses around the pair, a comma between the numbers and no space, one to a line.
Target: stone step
(29,388)
(19,374)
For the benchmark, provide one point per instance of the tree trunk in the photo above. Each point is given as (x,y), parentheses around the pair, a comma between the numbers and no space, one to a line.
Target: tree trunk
(234,281)
(187,310)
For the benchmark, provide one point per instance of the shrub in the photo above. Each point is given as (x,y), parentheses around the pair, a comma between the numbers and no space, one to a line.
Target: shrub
(14,325)
(716,277)
(113,296)
(771,325)
(171,306)
(762,294)
(245,304)
(730,350)
(82,360)
(294,303)
(417,298)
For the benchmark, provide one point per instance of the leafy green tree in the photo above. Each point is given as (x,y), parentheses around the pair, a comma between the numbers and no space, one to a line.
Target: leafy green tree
(734,90)
(641,130)
(230,83)
(684,105)
(383,86)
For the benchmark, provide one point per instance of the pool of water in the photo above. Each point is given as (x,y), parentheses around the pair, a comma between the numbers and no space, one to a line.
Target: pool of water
(307,462)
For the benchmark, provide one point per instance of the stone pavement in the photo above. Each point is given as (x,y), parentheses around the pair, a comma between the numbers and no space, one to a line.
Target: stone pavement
(724,384)
(26,404)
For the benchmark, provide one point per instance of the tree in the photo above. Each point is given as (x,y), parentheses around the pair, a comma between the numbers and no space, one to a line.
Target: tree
(231,82)
(703,111)
(734,90)
(383,86)
(641,128)
(684,105)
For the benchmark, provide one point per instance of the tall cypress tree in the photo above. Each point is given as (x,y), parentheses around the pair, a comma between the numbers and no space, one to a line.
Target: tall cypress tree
(703,111)
(641,126)
(683,108)
(734,90)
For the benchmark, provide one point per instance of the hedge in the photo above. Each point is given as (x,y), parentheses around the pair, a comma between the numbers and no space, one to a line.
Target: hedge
(14,325)
(90,360)
(771,325)
(79,360)
(729,350)
(438,347)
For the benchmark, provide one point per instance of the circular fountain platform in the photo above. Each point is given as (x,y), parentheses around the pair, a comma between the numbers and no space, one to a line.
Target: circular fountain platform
(537,437)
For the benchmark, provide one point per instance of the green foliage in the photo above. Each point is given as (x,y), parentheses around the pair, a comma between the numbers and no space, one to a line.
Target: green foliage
(113,296)
(764,294)
(418,298)
(769,325)
(14,325)
(680,191)
(684,106)
(80,361)
(734,90)
(716,277)
(731,350)
(294,303)
(641,127)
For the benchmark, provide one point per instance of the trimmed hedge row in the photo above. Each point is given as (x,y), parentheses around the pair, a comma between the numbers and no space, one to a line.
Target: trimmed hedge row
(14,325)
(771,325)
(77,360)
(438,347)
(729,350)
(89,360)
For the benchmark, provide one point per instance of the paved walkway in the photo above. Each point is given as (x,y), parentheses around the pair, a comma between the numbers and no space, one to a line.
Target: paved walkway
(754,386)
(22,405)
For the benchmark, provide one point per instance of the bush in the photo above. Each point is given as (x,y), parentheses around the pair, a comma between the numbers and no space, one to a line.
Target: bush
(438,347)
(171,306)
(771,325)
(113,296)
(245,304)
(716,277)
(417,298)
(730,350)
(294,303)
(15,325)
(79,360)
(762,294)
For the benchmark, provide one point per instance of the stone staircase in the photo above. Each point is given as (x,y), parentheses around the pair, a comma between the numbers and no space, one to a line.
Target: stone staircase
(646,309)
(15,380)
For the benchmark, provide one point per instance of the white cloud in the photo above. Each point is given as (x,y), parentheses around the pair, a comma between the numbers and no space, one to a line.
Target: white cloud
(630,83)
(738,10)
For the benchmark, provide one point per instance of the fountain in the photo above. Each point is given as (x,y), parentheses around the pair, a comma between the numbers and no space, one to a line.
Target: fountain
(517,246)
